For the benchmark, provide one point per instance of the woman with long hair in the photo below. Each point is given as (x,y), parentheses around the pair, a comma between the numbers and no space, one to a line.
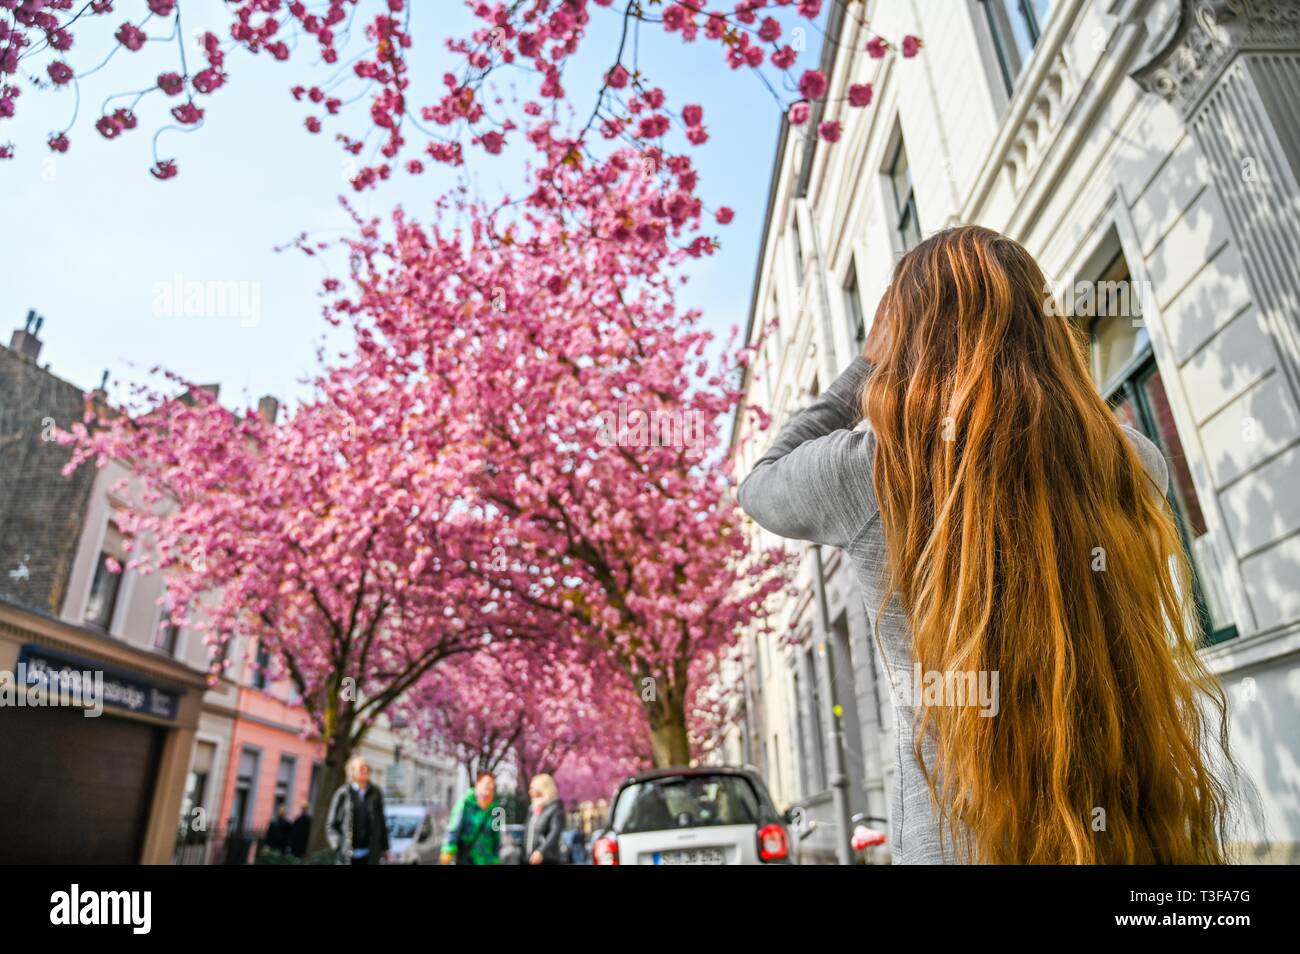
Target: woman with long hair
(544,834)
(1009,533)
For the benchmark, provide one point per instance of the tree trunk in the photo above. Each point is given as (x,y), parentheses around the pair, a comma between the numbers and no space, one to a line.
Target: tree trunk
(668,738)
(338,750)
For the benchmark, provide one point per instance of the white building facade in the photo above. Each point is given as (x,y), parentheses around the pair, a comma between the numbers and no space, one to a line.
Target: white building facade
(1147,153)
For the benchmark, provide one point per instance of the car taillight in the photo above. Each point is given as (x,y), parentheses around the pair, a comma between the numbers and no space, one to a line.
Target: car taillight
(773,845)
(605,851)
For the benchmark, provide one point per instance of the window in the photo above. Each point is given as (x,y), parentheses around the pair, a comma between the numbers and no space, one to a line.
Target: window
(686,801)
(194,800)
(241,809)
(284,783)
(103,593)
(1126,373)
(261,663)
(854,300)
(907,224)
(1016,26)
(164,637)
(219,654)
(312,787)
(798,249)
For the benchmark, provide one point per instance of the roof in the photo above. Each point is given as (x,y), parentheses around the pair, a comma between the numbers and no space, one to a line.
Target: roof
(673,771)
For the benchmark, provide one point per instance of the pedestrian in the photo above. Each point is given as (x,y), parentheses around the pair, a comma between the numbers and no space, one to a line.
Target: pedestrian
(473,831)
(356,828)
(278,833)
(1007,529)
(300,833)
(576,845)
(543,836)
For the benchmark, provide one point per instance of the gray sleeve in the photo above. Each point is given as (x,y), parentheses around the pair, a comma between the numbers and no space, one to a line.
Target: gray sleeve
(1152,459)
(814,482)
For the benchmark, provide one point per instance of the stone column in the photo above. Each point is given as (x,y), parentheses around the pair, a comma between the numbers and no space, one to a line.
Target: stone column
(1232,70)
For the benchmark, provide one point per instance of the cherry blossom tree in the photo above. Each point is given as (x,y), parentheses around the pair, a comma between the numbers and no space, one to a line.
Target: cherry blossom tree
(587,413)
(331,539)
(361,50)
(539,705)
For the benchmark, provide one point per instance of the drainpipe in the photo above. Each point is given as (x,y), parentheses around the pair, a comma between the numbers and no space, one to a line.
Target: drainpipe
(839,778)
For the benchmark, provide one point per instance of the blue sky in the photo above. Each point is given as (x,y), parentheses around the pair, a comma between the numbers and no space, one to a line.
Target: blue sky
(91,239)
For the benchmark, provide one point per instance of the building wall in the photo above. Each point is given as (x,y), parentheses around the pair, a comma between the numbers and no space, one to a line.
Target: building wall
(274,730)
(40,510)
(1078,161)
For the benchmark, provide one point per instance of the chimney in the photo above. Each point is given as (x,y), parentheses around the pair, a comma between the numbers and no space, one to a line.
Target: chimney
(25,340)
(268,409)
(213,389)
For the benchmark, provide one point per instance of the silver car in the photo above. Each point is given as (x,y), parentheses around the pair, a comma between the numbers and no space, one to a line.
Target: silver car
(412,834)
(693,816)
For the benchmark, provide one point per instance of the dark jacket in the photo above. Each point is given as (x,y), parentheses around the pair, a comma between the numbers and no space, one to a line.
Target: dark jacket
(278,834)
(544,833)
(354,823)
(299,835)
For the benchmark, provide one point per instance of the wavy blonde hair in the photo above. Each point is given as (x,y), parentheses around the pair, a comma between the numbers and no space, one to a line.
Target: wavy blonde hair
(999,472)
(545,784)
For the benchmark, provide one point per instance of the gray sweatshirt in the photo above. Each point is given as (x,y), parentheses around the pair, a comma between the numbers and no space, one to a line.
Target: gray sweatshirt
(814,483)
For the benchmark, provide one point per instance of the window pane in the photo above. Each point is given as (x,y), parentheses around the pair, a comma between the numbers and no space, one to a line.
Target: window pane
(1126,411)
(686,801)
(1189,505)
(901,178)
(103,594)
(910,228)
(855,307)
(165,639)
(1021,34)
(1116,344)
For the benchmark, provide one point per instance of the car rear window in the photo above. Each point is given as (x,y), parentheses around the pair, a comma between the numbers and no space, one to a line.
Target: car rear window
(403,825)
(685,801)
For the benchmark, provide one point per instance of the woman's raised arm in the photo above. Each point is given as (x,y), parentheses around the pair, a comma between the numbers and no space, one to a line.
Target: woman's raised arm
(814,482)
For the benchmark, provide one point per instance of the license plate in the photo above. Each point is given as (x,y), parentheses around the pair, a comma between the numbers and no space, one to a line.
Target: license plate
(691,856)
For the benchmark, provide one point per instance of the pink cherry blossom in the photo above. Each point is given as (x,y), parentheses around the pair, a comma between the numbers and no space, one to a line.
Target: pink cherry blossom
(131,37)
(860,94)
(539,37)
(60,73)
(812,85)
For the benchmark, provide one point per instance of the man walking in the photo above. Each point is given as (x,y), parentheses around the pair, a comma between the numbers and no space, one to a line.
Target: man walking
(356,827)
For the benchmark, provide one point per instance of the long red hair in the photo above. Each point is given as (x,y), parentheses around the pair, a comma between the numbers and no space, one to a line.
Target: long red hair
(1002,477)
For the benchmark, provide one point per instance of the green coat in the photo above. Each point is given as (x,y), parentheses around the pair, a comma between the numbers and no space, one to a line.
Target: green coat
(470,830)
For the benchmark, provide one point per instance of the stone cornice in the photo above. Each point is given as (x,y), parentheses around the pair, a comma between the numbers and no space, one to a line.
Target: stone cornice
(1203,36)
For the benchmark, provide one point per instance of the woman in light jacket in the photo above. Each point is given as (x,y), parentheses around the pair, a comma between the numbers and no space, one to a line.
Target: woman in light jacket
(543,837)
(1007,530)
